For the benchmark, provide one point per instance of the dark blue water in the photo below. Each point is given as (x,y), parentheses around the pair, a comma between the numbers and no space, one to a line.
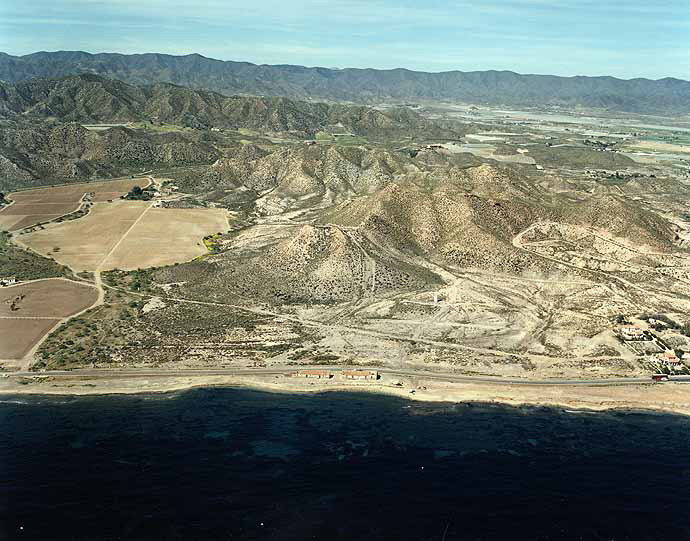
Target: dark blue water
(235,464)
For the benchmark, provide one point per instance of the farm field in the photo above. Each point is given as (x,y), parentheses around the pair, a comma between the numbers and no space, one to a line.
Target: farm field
(43,204)
(166,236)
(128,235)
(28,311)
(18,336)
(660,146)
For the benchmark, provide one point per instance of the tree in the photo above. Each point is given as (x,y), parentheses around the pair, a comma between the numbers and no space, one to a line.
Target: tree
(136,190)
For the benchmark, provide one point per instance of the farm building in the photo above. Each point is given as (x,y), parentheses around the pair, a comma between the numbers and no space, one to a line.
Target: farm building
(669,357)
(630,332)
(361,374)
(313,374)
(8,281)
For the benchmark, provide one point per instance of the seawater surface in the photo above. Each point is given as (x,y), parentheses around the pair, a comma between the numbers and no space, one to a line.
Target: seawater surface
(238,464)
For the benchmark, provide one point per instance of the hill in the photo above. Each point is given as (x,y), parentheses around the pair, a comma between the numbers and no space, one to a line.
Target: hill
(92,98)
(39,150)
(358,85)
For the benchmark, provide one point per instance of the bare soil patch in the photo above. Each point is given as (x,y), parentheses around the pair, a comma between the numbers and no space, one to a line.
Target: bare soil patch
(166,236)
(128,235)
(46,298)
(18,336)
(84,243)
(31,208)
(29,311)
(43,204)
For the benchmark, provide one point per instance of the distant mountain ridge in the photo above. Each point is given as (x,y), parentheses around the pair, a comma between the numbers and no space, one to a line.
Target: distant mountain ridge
(663,96)
(93,98)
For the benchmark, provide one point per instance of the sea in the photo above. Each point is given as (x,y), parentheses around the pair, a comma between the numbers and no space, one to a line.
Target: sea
(237,464)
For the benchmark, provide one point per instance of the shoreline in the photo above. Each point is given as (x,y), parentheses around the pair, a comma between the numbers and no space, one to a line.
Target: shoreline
(671,398)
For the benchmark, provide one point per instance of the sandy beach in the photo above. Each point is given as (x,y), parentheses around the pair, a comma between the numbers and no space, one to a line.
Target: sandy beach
(665,397)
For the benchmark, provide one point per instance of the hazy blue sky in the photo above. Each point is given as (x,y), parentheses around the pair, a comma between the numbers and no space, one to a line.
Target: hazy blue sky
(631,38)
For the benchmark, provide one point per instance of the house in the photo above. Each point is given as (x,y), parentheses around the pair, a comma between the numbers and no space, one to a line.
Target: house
(669,357)
(8,281)
(313,374)
(361,374)
(630,332)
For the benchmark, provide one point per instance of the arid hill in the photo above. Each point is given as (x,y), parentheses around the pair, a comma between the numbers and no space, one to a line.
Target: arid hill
(69,151)
(91,98)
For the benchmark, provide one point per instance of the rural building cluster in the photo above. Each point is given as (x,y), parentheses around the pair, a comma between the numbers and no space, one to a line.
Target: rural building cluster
(358,375)
(7,281)
(651,347)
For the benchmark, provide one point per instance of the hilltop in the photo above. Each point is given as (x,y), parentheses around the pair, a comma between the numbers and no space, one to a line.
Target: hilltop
(358,85)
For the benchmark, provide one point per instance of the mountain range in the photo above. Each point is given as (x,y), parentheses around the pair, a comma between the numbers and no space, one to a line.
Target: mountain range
(93,98)
(663,96)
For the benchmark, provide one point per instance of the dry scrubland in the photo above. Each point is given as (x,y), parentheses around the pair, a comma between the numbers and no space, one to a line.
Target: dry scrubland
(128,235)
(28,311)
(44,204)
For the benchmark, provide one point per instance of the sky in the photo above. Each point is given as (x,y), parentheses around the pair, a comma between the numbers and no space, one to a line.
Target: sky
(622,38)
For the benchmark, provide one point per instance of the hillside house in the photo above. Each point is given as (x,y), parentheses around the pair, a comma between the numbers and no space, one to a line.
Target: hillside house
(8,281)
(313,374)
(630,332)
(361,374)
(669,357)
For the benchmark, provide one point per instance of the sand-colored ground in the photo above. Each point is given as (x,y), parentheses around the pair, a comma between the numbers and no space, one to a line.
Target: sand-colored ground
(84,243)
(660,146)
(46,298)
(29,311)
(167,236)
(18,336)
(44,204)
(668,397)
(128,235)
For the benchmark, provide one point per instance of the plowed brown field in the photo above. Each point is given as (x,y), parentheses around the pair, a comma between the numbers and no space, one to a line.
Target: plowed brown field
(29,311)
(44,204)
(128,235)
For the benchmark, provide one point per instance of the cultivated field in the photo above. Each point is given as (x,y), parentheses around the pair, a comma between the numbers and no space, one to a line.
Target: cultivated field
(128,235)
(43,204)
(18,336)
(166,236)
(29,311)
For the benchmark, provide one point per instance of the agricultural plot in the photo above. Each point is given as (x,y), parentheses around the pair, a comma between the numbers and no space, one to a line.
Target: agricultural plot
(18,336)
(29,311)
(83,244)
(128,235)
(166,236)
(44,204)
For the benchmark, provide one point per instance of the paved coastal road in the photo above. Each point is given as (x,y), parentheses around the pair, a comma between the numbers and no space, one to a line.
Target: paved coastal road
(278,371)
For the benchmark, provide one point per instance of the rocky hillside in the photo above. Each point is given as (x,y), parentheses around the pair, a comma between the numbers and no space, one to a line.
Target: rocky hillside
(91,98)
(69,151)
(321,264)
(298,177)
(358,85)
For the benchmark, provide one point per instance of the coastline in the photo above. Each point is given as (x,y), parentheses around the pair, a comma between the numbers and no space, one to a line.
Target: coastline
(660,398)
